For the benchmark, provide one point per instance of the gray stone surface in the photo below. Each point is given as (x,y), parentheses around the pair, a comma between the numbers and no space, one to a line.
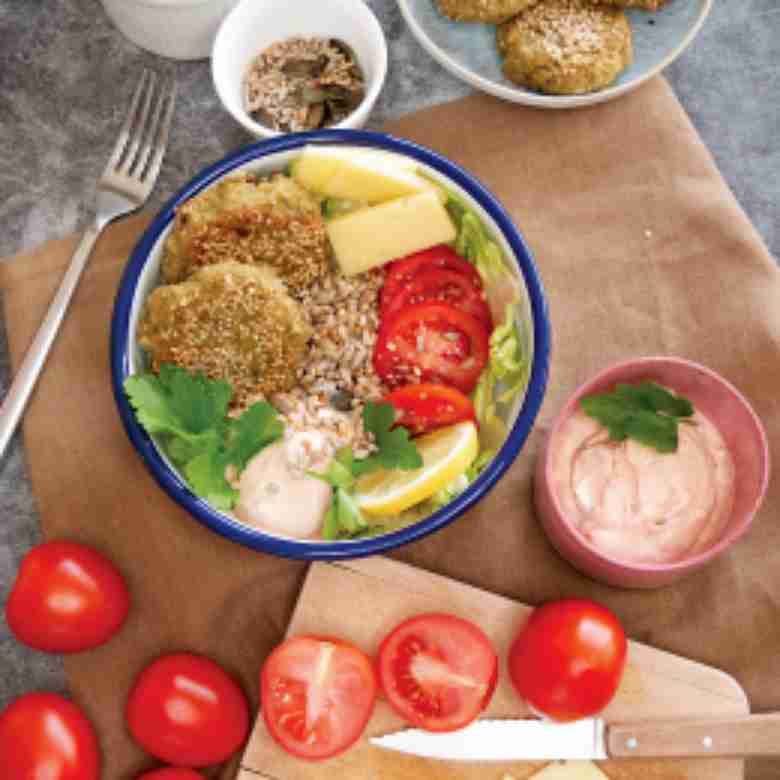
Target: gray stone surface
(63,68)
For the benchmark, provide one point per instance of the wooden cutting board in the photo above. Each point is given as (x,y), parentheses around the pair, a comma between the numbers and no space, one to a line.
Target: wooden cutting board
(362,600)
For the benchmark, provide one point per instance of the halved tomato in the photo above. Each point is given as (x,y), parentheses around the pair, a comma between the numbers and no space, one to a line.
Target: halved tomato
(426,407)
(446,286)
(317,695)
(438,671)
(401,272)
(431,342)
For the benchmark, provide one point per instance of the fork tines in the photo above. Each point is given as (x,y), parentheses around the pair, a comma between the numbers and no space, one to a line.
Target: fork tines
(144,135)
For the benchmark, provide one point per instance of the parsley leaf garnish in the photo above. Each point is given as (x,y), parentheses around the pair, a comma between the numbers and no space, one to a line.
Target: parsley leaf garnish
(205,474)
(395,450)
(188,412)
(647,413)
(253,431)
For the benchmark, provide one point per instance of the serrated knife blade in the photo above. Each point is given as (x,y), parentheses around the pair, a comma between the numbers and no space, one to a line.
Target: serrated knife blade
(504,740)
(542,740)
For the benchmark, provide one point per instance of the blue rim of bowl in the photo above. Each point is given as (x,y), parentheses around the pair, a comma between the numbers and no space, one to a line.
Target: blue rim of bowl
(174,486)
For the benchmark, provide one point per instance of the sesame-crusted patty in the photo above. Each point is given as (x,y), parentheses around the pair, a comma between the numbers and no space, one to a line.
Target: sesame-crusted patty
(230,321)
(566,47)
(489,11)
(646,5)
(241,219)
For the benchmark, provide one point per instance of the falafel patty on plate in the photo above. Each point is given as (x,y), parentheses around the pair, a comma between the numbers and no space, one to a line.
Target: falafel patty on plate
(645,5)
(489,11)
(566,47)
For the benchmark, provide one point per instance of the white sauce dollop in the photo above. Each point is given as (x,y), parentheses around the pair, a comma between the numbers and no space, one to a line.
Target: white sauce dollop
(276,494)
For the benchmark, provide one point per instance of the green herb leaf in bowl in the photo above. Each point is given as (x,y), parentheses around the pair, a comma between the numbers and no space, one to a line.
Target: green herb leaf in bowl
(189,412)
(395,450)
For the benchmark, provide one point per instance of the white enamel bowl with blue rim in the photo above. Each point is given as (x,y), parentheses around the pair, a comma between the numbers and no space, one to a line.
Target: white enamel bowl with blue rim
(468,50)
(142,275)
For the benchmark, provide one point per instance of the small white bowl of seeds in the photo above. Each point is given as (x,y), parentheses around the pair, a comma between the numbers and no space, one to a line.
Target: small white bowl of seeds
(284,66)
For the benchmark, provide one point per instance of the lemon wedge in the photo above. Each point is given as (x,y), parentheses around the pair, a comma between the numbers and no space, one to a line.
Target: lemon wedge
(446,454)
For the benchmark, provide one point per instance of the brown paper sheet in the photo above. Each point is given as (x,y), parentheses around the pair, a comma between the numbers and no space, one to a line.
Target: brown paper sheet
(642,250)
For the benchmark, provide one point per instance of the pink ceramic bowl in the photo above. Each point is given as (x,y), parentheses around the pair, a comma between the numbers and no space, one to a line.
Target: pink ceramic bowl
(741,429)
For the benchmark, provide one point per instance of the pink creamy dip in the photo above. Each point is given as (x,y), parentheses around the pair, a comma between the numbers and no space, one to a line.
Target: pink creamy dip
(637,505)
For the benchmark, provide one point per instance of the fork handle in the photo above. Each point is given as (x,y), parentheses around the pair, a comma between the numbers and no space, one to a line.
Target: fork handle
(21,388)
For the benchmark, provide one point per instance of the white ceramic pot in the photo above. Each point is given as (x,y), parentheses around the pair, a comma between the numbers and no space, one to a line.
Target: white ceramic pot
(179,29)
(253,26)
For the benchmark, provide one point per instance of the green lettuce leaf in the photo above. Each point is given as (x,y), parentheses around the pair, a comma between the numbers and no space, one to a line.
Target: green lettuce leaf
(506,374)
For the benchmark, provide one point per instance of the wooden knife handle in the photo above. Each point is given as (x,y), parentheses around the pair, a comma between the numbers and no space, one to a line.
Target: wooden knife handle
(750,735)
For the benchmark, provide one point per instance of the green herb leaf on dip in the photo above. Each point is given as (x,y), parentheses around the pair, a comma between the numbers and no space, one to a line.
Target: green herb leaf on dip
(647,413)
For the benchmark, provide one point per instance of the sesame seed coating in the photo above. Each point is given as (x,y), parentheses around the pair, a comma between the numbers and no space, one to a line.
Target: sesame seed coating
(489,11)
(646,5)
(566,46)
(233,322)
(272,222)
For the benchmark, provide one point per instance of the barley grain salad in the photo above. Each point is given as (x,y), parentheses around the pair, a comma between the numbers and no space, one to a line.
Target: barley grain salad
(331,350)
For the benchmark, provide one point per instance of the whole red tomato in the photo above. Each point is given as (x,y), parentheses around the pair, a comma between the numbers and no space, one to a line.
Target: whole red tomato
(185,710)
(43,735)
(67,597)
(171,773)
(567,660)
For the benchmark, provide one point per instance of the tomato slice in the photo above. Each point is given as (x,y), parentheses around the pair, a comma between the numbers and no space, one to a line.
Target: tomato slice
(438,671)
(446,286)
(401,272)
(426,407)
(317,695)
(431,342)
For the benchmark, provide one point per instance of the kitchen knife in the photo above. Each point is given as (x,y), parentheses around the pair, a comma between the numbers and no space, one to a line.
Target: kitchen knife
(592,738)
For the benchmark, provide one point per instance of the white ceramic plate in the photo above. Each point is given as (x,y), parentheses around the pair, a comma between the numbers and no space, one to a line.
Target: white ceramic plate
(469,51)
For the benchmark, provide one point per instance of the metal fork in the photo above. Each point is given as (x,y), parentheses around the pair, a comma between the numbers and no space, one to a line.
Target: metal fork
(123,187)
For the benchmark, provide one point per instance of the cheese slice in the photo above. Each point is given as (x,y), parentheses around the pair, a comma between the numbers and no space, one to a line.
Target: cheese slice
(567,770)
(368,175)
(371,237)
